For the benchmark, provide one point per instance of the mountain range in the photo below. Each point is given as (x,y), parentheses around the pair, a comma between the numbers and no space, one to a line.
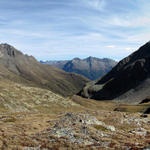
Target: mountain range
(91,67)
(20,68)
(35,114)
(128,81)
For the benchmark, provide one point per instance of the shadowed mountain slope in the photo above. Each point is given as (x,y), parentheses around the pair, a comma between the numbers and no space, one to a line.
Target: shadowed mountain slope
(129,81)
(25,69)
(90,67)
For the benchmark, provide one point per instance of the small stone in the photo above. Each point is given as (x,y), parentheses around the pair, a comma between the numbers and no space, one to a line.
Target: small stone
(111,128)
(144,115)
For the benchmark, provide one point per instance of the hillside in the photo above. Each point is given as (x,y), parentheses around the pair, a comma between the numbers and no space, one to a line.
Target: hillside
(90,67)
(27,70)
(16,97)
(36,118)
(128,81)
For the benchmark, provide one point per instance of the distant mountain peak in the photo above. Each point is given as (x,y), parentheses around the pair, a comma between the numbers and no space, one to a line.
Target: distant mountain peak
(5,45)
(90,58)
(90,67)
(76,58)
(8,50)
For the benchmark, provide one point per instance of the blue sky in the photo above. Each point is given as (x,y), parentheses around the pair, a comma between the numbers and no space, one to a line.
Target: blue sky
(63,29)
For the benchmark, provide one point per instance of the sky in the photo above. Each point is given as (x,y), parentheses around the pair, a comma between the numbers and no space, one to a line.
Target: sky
(64,29)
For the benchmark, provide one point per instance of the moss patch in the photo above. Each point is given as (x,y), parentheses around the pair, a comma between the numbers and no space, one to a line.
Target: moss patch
(101,128)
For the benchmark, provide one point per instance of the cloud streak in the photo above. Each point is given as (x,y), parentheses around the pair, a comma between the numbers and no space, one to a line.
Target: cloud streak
(75,28)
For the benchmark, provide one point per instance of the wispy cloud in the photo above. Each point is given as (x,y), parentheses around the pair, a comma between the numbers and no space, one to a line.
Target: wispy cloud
(63,29)
(96,4)
(111,46)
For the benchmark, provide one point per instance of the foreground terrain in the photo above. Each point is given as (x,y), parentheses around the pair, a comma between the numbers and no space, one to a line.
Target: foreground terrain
(37,119)
(74,130)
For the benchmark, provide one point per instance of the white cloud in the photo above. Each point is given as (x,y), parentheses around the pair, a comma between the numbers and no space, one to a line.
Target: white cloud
(130,22)
(76,27)
(96,4)
(128,48)
(139,38)
(111,46)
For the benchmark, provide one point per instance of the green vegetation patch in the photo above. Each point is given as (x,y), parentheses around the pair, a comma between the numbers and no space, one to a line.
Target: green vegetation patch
(7,119)
(100,127)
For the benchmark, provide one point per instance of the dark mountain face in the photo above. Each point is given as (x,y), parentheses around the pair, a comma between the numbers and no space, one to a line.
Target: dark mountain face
(128,81)
(90,67)
(22,68)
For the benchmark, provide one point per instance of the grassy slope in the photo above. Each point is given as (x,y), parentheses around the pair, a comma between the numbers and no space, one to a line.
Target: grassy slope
(19,98)
(109,105)
(28,111)
(15,97)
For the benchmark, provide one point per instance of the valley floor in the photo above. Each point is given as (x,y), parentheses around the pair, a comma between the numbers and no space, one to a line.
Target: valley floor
(87,128)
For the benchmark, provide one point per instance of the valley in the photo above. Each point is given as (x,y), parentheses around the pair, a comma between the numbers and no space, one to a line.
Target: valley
(35,116)
(74,75)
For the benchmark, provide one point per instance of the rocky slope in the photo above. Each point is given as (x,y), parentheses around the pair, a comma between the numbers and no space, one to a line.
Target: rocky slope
(71,131)
(90,67)
(27,70)
(128,81)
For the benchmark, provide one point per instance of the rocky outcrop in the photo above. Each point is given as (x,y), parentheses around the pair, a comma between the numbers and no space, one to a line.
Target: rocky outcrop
(146,100)
(80,129)
(147,111)
(74,130)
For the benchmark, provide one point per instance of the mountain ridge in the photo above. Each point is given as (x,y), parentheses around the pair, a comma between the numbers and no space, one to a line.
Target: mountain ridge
(27,70)
(90,67)
(128,81)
